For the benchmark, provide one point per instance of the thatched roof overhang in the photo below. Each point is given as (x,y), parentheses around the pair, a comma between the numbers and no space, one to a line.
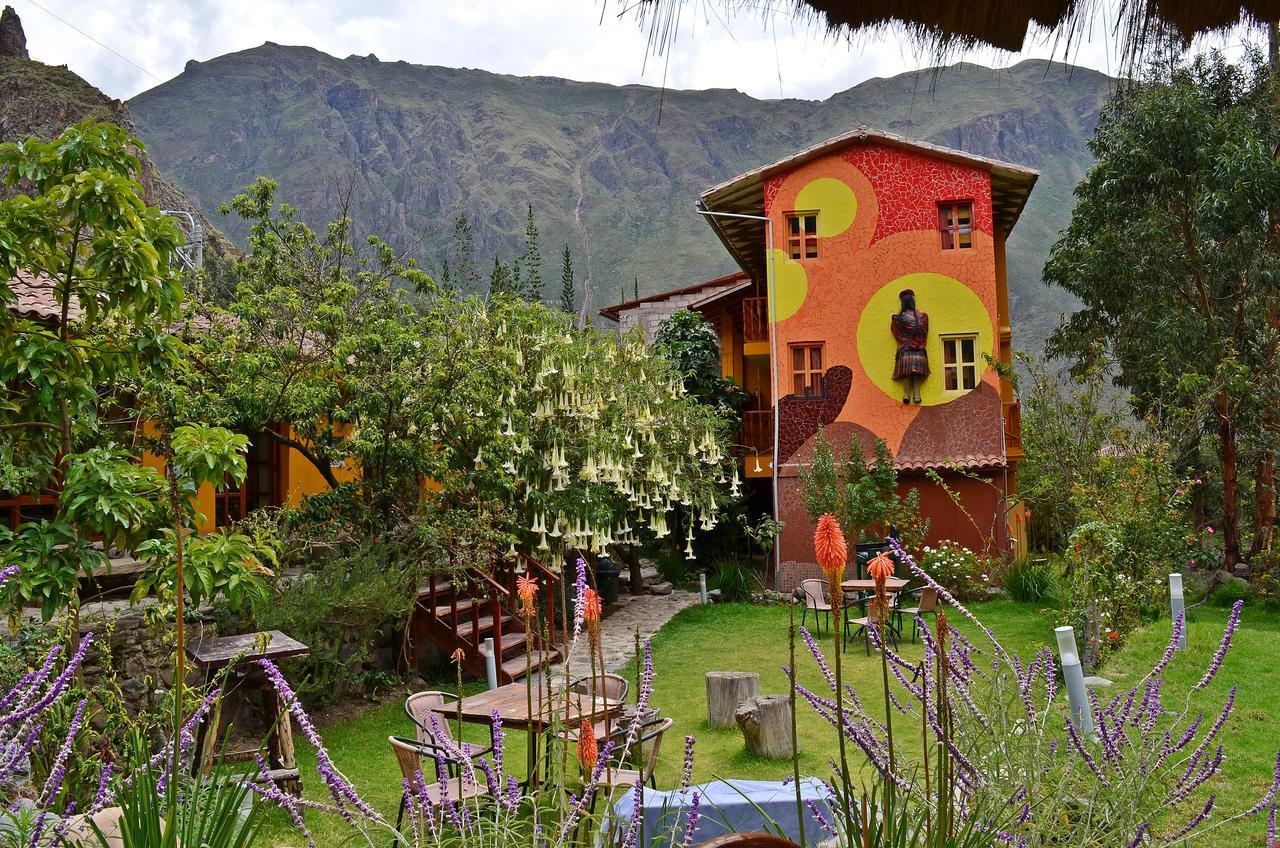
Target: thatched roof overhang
(1005,24)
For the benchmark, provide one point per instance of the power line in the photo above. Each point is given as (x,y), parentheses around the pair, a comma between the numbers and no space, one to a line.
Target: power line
(106,47)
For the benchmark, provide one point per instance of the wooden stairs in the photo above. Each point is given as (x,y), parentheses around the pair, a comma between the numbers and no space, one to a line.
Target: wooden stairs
(459,613)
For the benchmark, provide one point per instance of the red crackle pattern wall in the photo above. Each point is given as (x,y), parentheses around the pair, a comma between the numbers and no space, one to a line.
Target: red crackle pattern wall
(909,186)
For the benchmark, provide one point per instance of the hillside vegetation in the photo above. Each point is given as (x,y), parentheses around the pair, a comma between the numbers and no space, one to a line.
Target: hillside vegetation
(423,145)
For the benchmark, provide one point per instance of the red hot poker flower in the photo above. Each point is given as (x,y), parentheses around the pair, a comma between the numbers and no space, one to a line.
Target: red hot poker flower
(527,589)
(588,749)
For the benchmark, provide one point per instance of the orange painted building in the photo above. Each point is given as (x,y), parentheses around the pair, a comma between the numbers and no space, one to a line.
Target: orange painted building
(855,222)
(276,475)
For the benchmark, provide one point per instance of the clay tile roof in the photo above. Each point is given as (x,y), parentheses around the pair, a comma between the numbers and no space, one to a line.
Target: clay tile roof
(36,300)
(712,287)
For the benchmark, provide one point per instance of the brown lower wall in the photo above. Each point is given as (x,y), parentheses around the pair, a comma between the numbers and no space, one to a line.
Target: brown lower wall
(977,521)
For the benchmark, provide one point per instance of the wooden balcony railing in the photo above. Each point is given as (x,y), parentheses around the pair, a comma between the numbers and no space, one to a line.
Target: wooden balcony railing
(1013,428)
(755,319)
(757,429)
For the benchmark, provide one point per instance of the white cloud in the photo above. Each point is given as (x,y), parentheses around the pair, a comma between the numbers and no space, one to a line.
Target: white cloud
(764,55)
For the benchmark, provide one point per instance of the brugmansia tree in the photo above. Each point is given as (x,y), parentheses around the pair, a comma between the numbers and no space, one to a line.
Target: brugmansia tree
(592,436)
(73,389)
(1173,250)
(691,344)
(573,436)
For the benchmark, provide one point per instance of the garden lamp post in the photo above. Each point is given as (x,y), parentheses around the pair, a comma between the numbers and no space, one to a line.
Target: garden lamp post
(1073,674)
(1177,605)
(490,662)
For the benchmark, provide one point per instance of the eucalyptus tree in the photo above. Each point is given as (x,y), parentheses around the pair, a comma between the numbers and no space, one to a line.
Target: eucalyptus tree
(1173,250)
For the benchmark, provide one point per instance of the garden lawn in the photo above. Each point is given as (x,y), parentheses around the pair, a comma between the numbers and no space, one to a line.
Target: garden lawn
(740,637)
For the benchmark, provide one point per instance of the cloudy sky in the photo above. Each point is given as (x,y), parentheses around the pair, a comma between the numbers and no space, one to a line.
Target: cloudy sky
(128,46)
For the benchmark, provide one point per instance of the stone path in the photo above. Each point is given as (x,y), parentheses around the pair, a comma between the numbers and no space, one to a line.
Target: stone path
(618,628)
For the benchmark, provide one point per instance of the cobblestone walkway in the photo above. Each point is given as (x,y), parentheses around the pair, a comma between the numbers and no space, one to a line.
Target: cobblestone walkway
(618,628)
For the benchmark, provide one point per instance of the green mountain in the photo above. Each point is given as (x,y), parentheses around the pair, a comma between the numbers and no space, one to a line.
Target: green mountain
(612,171)
(42,100)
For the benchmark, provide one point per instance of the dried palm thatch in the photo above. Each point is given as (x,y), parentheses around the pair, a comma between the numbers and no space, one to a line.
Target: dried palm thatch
(944,26)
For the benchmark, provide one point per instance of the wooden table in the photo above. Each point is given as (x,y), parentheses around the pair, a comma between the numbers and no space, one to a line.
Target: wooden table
(891,584)
(214,655)
(513,705)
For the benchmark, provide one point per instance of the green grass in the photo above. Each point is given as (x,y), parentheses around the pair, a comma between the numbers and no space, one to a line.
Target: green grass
(740,637)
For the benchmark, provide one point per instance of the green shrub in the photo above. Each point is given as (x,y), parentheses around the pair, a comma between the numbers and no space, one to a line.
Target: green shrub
(337,608)
(1032,582)
(736,579)
(672,565)
(964,573)
(1231,591)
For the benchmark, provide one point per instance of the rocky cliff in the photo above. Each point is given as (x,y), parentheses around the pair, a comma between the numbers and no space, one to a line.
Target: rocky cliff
(612,171)
(42,100)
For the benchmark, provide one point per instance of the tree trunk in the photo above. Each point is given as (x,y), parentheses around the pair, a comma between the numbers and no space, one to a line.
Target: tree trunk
(1228,454)
(765,721)
(1265,522)
(630,554)
(725,691)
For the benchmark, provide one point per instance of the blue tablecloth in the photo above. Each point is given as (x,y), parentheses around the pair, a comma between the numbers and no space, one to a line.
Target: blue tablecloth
(727,806)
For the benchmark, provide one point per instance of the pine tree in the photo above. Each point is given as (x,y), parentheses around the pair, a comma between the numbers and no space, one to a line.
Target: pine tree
(446,278)
(499,278)
(465,275)
(637,288)
(531,261)
(567,296)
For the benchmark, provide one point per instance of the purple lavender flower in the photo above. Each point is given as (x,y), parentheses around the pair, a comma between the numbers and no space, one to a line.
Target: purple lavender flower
(1179,623)
(9,572)
(637,815)
(1078,744)
(1221,653)
(1195,822)
(1272,791)
(59,770)
(1137,840)
(817,655)
(691,823)
(949,599)
(580,597)
(823,823)
(103,797)
(55,689)
(267,788)
(341,790)
(686,773)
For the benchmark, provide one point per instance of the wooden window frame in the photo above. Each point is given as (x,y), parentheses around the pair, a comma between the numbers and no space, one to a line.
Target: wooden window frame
(11,506)
(954,235)
(813,385)
(802,245)
(960,365)
(247,497)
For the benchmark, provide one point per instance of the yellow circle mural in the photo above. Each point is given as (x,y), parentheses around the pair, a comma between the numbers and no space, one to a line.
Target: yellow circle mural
(953,310)
(791,285)
(833,200)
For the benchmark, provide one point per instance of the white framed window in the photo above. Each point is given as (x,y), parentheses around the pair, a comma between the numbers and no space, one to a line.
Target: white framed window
(959,363)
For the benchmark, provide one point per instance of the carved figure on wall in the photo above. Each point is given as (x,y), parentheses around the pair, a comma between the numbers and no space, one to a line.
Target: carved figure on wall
(910,329)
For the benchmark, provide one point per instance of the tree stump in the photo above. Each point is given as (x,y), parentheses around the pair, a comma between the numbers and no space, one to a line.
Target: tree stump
(765,721)
(727,689)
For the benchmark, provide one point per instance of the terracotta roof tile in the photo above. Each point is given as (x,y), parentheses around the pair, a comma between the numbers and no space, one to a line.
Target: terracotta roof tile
(36,300)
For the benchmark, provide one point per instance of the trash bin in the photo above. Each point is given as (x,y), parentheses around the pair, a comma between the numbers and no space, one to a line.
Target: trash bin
(868,551)
(607,580)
